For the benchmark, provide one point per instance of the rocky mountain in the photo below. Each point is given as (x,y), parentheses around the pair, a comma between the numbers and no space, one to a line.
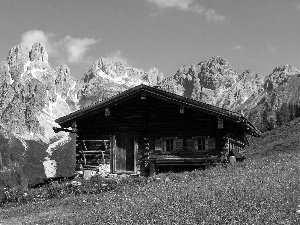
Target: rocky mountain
(106,78)
(267,103)
(215,82)
(278,100)
(206,81)
(29,87)
(33,95)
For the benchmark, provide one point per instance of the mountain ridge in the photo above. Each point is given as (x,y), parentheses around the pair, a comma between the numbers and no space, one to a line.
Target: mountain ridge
(33,95)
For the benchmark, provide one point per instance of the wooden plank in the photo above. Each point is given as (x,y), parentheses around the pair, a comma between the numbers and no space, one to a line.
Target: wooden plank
(112,153)
(93,152)
(103,140)
(186,164)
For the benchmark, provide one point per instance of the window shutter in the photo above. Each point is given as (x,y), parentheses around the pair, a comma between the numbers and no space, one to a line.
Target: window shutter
(210,143)
(190,144)
(206,144)
(195,144)
(174,144)
(179,144)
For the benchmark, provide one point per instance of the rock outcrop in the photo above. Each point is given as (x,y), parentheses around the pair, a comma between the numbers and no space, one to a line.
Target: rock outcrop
(33,95)
(106,78)
(236,97)
(207,81)
(280,94)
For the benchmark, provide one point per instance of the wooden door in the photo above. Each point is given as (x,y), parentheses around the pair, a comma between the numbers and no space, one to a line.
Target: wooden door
(124,152)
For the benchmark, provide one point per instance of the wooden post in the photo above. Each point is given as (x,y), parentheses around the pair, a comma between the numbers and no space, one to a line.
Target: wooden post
(151,169)
(74,127)
(112,153)
(135,157)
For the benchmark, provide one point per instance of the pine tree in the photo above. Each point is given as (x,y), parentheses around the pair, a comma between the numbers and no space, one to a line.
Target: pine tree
(266,124)
(283,115)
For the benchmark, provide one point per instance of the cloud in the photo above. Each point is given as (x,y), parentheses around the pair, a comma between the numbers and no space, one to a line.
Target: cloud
(179,4)
(76,47)
(189,6)
(118,57)
(237,47)
(33,36)
(212,16)
(73,49)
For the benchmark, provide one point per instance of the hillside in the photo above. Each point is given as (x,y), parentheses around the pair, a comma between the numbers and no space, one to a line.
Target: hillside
(264,189)
(282,139)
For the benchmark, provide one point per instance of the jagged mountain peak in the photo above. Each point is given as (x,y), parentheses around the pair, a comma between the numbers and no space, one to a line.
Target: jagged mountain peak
(218,60)
(19,50)
(204,81)
(106,78)
(38,53)
(116,72)
(286,68)
(108,66)
(24,53)
(22,58)
(280,75)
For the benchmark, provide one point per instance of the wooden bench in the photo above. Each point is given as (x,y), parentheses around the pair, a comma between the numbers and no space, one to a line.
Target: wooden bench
(155,162)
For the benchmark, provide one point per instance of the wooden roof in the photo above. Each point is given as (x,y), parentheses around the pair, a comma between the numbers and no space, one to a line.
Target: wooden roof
(166,96)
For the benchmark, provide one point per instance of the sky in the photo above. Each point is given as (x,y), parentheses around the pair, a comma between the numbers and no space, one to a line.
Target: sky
(167,34)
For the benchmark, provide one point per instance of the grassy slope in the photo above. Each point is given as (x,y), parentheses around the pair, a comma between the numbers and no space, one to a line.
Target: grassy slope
(284,139)
(265,189)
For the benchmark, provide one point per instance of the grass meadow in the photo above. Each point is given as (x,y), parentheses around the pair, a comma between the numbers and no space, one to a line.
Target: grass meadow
(264,190)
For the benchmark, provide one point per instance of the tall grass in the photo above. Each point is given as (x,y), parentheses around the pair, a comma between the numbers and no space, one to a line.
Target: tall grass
(261,191)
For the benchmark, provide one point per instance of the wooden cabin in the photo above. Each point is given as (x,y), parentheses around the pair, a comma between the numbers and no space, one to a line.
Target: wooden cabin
(148,126)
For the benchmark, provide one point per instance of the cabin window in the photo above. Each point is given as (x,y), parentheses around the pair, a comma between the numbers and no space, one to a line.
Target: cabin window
(204,144)
(200,144)
(176,144)
(168,145)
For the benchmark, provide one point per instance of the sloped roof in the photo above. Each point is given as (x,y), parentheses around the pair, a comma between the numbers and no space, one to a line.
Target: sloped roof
(164,95)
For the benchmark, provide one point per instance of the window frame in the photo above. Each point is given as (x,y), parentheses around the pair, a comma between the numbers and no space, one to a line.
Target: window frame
(174,144)
(171,146)
(206,142)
